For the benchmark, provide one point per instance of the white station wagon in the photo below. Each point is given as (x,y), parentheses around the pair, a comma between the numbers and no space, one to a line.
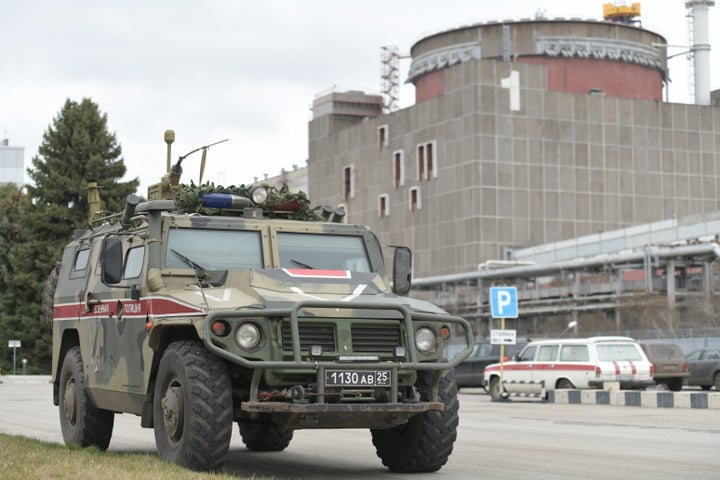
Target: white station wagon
(571,363)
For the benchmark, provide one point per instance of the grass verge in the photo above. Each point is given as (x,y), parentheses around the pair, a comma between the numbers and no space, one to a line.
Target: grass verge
(24,458)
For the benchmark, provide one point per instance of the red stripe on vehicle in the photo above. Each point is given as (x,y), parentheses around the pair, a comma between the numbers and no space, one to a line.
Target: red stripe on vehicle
(564,367)
(633,368)
(617,368)
(158,307)
(307,273)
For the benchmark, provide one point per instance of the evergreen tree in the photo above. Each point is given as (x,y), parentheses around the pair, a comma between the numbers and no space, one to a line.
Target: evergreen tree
(77,148)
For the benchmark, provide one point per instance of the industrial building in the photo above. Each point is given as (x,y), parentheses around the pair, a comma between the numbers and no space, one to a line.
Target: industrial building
(11,164)
(527,133)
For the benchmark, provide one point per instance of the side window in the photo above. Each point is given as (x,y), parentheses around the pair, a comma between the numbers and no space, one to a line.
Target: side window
(574,353)
(134,262)
(528,354)
(711,355)
(694,356)
(81,259)
(548,353)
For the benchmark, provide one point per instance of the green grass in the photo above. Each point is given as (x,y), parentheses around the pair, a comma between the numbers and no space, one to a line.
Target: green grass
(23,458)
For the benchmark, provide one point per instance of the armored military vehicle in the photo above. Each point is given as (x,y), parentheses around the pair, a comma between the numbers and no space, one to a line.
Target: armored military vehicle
(234,313)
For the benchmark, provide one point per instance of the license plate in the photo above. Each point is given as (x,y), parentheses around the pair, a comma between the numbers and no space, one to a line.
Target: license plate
(357,378)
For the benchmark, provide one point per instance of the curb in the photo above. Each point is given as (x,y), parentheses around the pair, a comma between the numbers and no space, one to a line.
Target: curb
(16,379)
(636,398)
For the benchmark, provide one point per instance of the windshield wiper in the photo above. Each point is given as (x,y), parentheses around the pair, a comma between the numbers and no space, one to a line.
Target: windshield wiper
(301,264)
(199,270)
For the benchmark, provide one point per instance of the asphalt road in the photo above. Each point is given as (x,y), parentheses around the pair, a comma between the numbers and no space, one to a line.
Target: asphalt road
(522,439)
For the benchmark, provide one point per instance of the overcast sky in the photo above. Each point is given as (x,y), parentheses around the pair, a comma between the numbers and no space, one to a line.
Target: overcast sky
(243,70)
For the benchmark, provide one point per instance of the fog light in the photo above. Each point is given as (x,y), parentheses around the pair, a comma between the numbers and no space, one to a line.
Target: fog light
(248,336)
(425,340)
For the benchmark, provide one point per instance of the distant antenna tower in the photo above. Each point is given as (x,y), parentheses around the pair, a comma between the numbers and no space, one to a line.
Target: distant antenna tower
(390,76)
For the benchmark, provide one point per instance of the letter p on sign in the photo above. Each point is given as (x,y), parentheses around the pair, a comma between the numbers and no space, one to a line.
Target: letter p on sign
(503,302)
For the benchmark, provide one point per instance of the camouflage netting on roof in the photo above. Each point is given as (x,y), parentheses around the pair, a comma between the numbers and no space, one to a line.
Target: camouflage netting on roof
(279,202)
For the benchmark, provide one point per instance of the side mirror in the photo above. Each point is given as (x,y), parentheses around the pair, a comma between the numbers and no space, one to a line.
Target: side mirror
(111,260)
(402,268)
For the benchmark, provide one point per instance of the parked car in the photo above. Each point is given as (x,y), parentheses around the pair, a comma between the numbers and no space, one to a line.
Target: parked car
(571,363)
(671,367)
(704,366)
(469,373)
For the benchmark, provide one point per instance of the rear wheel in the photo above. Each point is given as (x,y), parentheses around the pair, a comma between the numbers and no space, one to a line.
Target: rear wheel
(192,407)
(423,444)
(81,422)
(716,380)
(262,437)
(564,384)
(674,384)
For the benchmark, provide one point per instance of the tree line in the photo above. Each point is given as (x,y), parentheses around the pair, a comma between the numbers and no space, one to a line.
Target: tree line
(37,220)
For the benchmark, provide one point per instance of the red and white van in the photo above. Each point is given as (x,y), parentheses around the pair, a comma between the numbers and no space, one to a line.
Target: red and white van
(571,363)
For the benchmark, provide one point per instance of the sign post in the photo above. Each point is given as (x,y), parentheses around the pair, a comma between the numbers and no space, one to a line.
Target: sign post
(14,344)
(503,304)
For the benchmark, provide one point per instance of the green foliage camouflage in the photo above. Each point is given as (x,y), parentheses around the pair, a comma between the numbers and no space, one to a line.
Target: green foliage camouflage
(189,200)
(35,226)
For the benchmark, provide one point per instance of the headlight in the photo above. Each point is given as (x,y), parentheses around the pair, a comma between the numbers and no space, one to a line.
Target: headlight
(258,195)
(248,336)
(425,340)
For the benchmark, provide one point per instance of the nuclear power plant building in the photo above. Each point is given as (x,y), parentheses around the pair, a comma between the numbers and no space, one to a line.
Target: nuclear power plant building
(523,133)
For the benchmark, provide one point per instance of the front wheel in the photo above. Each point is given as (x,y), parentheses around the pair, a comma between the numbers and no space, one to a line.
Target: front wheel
(81,422)
(192,407)
(424,443)
(495,389)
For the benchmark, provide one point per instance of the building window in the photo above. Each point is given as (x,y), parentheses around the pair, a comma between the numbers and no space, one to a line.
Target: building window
(427,161)
(383,139)
(348,187)
(415,202)
(398,168)
(383,206)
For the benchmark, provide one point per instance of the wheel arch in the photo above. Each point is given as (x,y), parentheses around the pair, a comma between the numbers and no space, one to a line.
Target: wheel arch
(160,337)
(70,339)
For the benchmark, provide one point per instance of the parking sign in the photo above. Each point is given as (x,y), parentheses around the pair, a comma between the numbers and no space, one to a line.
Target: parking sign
(503,302)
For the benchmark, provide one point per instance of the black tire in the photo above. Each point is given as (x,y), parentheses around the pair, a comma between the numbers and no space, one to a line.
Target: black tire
(81,422)
(48,296)
(263,437)
(495,390)
(705,387)
(564,384)
(716,380)
(192,407)
(674,384)
(425,443)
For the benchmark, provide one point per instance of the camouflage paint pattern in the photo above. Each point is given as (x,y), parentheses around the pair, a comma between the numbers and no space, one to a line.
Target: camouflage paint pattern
(122,329)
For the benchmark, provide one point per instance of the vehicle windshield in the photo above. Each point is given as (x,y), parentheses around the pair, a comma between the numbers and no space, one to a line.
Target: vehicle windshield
(323,251)
(214,249)
(615,352)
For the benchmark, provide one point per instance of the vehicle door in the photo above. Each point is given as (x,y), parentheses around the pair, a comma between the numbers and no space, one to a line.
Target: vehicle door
(706,366)
(693,360)
(545,366)
(521,368)
(119,347)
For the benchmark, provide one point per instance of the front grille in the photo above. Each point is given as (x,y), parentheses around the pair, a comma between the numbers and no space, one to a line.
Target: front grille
(310,334)
(375,338)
